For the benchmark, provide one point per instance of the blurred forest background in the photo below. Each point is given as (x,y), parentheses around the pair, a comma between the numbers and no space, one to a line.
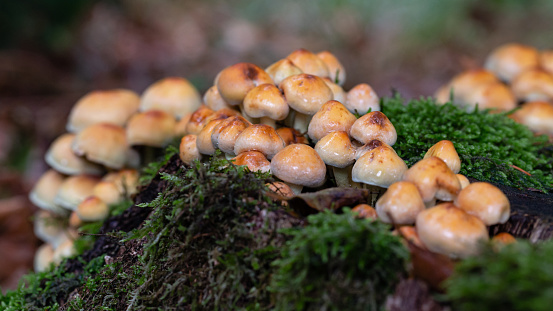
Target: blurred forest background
(53,52)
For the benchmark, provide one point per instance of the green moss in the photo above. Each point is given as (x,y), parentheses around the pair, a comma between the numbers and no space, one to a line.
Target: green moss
(488,144)
(518,277)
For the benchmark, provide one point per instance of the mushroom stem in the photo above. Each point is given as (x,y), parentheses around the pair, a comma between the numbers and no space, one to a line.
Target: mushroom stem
(296,188)
(301,121)
(289,121)
(343,177)
(267,121)
(374,191)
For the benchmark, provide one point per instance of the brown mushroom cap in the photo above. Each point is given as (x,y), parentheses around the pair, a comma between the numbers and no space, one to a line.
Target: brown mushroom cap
(332,117)
(224,135)
(103,143)
(380,167)
(306,93)
(111,106)
(259,137)
(44,192)
(365,211)
(154,128)
(486,202)
(203,141)
(188,149)
(266,100)
(337,91)
(213,100)
(280,188)
(174,95)
(495,96)
(309,62)
(180,126)
(374,125)
(536,115)
(434,179)
(282,69)
(74,190)
(125,180)
(235,81)
(299,164)
(335,149)
(503,238)
(449,230)
(400,204)
(92,209)
(375,143)
(60,156)
(463,180)
(533,85)
(464,83)
(254,160)
(445,150)
(509,60)
(198,120)
(107,192)
(291,136)
(337,72)
(361,98)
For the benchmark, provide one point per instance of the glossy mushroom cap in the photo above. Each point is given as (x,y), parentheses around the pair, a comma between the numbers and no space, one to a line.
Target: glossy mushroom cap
(380,167)
(533,85)
(335,149)
(198,120)
(445,150)
(174,95)
(463,180)
(337,72)
(44,192)
(299,164)
(291,136)
(203,141)
(226,133)
(309,63)
(509,60)
(495,96)
(74,190)
(266,101)
(60,156)
(400,204)
(282,69)
(111,106)
(332,117)
(235,81)
(188,149)
(449,230)
(92,209)
(365,211)
(374,125)
(361,98)
(306,93)
(337,91)
(154,128)
(212,99)
(434,179)
(486,202)
(259,137)
(536,115)
(103,143)
(375,143)
(254,160)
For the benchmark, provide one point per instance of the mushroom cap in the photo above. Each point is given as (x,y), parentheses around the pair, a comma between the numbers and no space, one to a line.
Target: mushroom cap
(198,119)
(44,256)
(74,221)
(103,143)
(174,95)
(44,192)
(259,137)
(309,62)
(203,141)
(464,83)
(188,149)
(154,128)
(74,190)
(400,204)
(282,69)
(107,192)
(509,60)
(126,180)
(443,94)
(365,211)
(536,115)
(337,91)
(331,117)
(280,188)
(445,150)
(60,156)
(254,160)
(463,180)
(110,106)
(213,100)
(49,228)
(291,136)
(533,85)
(224,135)
(266,100)
(503,238)
(235,81)
(546,60)
(361,98)
(335,149)
(374,125)
(299,164)
(375,143)
(495,96)
(434,179)
(92,209)
(306,93)
(180,126)
(449,230)
(486,202)
(380,167)
(336,71)
(64,250)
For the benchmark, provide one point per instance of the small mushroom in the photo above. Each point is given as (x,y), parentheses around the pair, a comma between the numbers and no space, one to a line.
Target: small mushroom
(331,117)
(365,211)
(254,160)
(92,209)
(400,204)
(533,85)
(299,165)
(537,116)
(103,143)
(309,63)
(173,95)
(486,202)
(445,150)
(434,179)
(336,150)
(74,190)
(213,100)
(361,98)
(60,156)
(44,257)
(226,133)
(374,125)
(44,192)
(188,149)
(494,96)
(336,71)
(282,69)
(198,120)
(259,137)
(152,128)
(464,84)
(267,103)
(291,136)
(463,180)
(509,60)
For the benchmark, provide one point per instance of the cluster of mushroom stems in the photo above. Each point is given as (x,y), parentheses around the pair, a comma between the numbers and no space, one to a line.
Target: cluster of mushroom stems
(513,75)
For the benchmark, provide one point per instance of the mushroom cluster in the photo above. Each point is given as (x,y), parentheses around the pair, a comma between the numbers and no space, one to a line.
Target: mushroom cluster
(513,75)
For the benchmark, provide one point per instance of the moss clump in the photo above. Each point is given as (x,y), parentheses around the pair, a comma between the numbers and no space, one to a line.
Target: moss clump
(338,262)
(518,277)
(488,144)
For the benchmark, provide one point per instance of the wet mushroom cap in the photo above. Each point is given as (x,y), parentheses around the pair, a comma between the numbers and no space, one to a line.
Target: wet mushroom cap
(374,125)
(45,189)
(336,149)
(400,204)
(331,117)
(486,202)
(103,143)
(309,62)
(379,167)
(226,133)
(445,150)
(203,141)
(254,160)
(188,149)
(198,120)
(337,91)
(282,69)
(235,81)
(361,98)
(299,164)
(174,95)
(92,209)
(154,128)
(463,180)
(280,188)
(259,137)
(212,99)
(337,72)
(306,93)
(266,100)
(291,136)
(365,211)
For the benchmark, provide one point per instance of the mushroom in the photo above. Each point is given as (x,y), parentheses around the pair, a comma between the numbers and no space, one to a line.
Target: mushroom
(203,141)
(280,188)
(509,60)
(434,179)
(445,150)
(337,91)
(180,126)
(111,106)
(533,85)
(74,221)
(282,69)
(125,181)
(173,95)
(503,238)
(299,165)
(448,230)
(49,227)
(188,149)
(61,157)
(103,143)
(375,143)
(536,115)
(254,160)
(365,211)
(64,250)
(486,202)
(267,103)
(336,150)
(44,192)
(291,136)
(362,98)
(152,128)
(92,209)
(213,100)
(259,137)
(198,120)
(336,71)
(44,257)
(374,125)
(463,180)
(226,133)
(74,190)
(331,117)
(309,63)
(546,60)
(495,96)
(463,84)
(400,204)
